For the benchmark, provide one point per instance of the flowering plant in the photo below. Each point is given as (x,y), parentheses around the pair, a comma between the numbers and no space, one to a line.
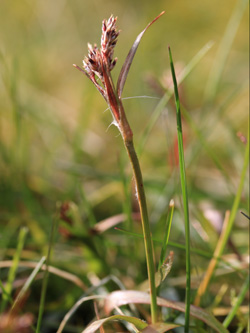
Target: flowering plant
(98,66)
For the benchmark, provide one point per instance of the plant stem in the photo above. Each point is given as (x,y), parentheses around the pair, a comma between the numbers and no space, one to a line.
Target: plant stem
(213,263)
(45,278)
(145,224)
(13,269)
(237,304)
(184,193)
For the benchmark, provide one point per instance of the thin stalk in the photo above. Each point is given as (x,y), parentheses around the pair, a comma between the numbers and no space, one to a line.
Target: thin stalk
(224,49)
(166,97)
(13,269)
(240,299)
(28,283)
(237,199)
(184,192)
(166,234)
(199,252)
(213,263)
(145,225)
(45,278)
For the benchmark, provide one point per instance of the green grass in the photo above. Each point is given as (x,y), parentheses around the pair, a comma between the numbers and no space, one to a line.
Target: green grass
(184,194)
(60,161)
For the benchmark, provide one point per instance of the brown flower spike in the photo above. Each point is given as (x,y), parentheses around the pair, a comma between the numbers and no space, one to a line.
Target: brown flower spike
(97,66)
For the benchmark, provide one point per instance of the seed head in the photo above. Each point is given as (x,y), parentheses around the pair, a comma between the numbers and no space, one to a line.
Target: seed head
(109,40)
(93,62)
(100,62)
(101,59)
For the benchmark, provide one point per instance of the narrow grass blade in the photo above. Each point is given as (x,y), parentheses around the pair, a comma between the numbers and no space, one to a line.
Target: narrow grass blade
(74,308)
(167,233)
(237,199)
(126,66)
(124,297)
(138,323)
(165,99)
(201,253)
(46,277)
(237,304)
(3,291)
(14,267)
(28,283)
(184,192)
(53,270)
(205,146)
(213,263)
(224,48)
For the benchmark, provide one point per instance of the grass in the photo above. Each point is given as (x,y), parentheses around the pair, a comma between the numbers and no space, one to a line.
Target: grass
(58,162)
(184,194)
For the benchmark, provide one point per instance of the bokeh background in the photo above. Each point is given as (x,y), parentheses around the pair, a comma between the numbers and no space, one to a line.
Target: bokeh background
(56,145)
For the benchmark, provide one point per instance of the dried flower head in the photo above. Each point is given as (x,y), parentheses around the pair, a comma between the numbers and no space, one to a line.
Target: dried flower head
(93,62)
(109,40)
(99,63)
(97,59)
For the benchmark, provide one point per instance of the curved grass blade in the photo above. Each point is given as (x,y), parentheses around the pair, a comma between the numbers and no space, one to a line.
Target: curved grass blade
(13,268)
(159,328)
(53,270)
(184,192)
(138,323)
(28,283)
(124,297)
(85,298)
(74,308)
(240,299)
(126,66)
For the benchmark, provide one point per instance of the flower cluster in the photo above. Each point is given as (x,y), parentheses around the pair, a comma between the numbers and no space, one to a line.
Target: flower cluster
(109,40)
(102,60)
(93,62)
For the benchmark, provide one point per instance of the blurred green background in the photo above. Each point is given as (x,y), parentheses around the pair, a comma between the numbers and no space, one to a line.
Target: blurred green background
(55,141)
